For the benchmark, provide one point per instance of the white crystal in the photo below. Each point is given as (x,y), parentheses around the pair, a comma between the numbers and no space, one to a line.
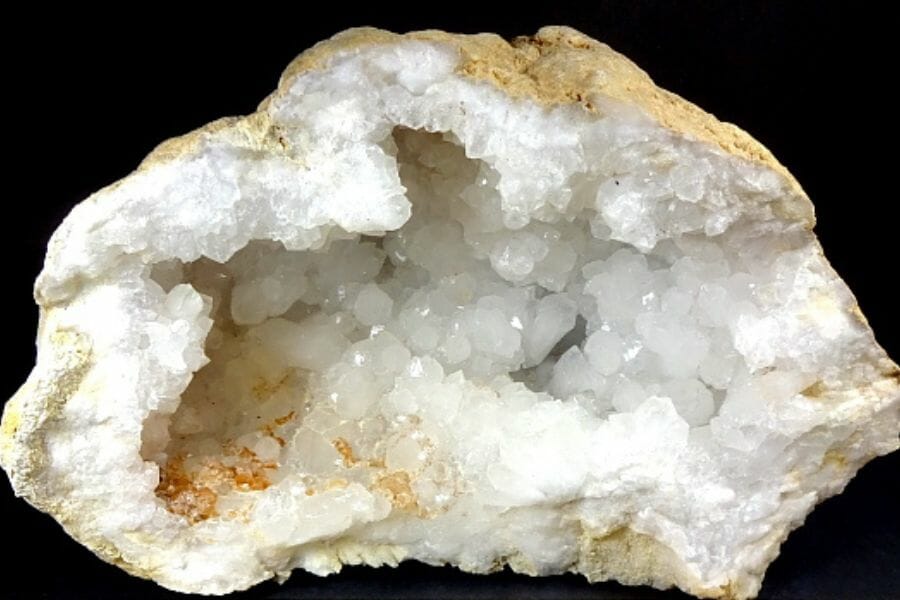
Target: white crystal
(372,306)
(404,313)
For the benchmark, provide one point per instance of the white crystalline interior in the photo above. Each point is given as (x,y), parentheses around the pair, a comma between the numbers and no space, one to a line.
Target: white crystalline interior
(449,326)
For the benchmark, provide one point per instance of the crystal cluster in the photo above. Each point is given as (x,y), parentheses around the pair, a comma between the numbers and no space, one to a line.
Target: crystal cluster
(414,309)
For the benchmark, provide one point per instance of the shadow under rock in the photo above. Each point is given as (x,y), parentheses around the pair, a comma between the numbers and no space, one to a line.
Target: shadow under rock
(419,581)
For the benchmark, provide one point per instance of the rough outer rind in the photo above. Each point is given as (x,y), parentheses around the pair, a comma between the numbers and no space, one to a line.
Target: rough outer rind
(556,66)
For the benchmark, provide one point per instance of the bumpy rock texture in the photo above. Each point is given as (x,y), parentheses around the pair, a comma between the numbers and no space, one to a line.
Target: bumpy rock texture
(448,299)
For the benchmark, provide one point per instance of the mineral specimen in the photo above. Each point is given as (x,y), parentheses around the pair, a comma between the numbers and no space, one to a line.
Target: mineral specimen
(448,299)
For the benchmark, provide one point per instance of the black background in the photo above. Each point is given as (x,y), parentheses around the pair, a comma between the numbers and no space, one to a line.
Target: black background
(86,102)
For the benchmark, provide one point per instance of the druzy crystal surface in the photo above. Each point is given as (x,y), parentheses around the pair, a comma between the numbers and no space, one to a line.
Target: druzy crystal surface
(455,301)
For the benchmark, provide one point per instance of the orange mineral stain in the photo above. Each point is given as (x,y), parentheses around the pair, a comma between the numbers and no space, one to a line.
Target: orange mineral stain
(194,495)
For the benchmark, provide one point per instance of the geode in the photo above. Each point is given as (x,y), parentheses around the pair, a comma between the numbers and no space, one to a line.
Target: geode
(448,299)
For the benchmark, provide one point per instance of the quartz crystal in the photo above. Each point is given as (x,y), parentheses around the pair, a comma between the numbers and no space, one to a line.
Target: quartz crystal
(448,299)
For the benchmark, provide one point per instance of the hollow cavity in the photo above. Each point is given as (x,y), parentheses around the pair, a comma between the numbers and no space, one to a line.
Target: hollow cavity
(371,360)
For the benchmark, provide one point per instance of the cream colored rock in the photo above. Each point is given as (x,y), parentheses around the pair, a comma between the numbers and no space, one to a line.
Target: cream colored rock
(447,299)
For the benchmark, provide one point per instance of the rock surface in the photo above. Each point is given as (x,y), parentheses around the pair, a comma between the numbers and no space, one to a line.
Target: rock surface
(448,299)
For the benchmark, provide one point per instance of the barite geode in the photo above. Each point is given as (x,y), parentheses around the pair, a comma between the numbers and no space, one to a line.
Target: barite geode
(448,299)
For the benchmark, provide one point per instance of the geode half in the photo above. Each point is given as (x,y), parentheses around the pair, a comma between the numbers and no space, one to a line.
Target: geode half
(448,299)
